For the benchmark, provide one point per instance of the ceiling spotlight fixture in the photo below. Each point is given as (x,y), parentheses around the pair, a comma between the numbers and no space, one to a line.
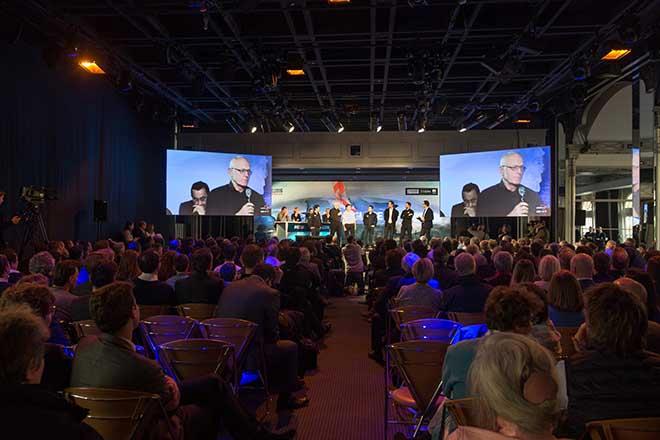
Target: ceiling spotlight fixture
(421,124)
(253,127)
(523,119)
(91,67)
(190,124)
(614,51)
(295,65)
(462,130)
(288,127)
(379,127)
(338,2)
(340,127)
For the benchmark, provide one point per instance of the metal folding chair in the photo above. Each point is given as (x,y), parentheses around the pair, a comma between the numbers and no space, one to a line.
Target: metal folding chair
(467,318)
(160,329)
(191,358)
(198,312)
(625,429)
(432,329)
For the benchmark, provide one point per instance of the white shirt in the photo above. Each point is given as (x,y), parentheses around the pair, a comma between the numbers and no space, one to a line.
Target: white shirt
(349,217)
(391,211)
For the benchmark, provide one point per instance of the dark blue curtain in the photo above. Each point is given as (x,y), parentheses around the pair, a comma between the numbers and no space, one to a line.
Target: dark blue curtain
(72,131)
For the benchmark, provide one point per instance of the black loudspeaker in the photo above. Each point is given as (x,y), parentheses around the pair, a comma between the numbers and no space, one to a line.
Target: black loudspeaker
(100,211)
(580,217)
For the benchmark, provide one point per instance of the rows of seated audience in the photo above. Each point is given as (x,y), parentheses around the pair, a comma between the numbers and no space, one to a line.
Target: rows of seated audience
(532,381)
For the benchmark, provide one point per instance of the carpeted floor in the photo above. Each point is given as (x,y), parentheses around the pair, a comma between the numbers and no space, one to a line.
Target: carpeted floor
(347,391)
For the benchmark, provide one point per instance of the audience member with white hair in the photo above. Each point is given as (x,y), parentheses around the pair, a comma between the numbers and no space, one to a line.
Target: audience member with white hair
(469,295)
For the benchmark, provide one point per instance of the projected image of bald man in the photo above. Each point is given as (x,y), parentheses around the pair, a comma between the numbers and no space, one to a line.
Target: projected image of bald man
(236,197)
(510,198)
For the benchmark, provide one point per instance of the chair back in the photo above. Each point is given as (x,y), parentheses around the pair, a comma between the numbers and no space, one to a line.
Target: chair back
(404,314)
(625,429)
(237,332)
(116,414)
(191,358)
(86,328)
(147,311)
(567,344)
(432,329)
(468,318)
(198,312)
(159,329)
(420,364)
(473,331)
(464,412)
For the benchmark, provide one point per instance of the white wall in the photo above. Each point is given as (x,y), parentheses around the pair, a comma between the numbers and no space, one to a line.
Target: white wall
(385,149)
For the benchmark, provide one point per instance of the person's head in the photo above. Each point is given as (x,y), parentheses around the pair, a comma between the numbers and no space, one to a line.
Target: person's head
(465,264)
(113,308)
(470,194)
(181,263)
(12,257)
(565,256)
(616,320)
(409,261)
(393,258)
(296,210)
(305,255)
(317,208)
(66,274)
(512,168)
(104,274)
(23,337)
(565,293)
(634,287)
(284,210)
(128,266)
(582,266)
(620,259)
(510,309)
(408,205)
(251,256)
(503,262)
(524,272)
(228,272)
(292,256)
(149,262)
(390,204)
(265,271)
(199,193)
(422,270)
(548,266)
(240,171)
(426,204)
(37,297)
(516,379)
(43,263)
(201,261)
(645,280)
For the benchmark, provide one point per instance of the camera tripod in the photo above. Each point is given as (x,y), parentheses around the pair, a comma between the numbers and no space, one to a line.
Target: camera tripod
(35,228)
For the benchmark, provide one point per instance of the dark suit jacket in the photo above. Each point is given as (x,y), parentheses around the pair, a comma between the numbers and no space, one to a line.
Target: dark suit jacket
(186,208)
(407,216)
(198,288)
(314,220)
(428,218)
(107,361)
(469,296)
(586,283)
(253,300)
(395,215)
(32,412)
(457,210)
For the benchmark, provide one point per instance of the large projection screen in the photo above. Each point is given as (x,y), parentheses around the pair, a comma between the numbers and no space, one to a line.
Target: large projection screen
(503,183)
(206,183)
(361,194)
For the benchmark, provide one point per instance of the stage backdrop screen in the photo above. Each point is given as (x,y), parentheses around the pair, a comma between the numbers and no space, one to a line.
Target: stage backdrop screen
(504,183)
(360,194)
(205,183)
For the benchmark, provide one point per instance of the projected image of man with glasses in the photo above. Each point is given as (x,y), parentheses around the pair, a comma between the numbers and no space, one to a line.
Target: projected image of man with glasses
(509,198)
(236,197)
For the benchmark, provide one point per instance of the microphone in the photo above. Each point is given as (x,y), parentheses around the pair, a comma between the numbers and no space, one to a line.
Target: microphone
(521,191)
(248,194)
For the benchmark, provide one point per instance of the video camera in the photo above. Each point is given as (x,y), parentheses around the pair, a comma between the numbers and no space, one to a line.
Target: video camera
(37,195)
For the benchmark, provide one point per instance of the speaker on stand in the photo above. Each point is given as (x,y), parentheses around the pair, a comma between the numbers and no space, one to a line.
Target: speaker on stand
(100,216)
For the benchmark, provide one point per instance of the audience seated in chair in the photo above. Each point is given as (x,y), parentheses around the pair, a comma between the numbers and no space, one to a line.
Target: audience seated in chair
(420,293)
(200,286)
(469,295)
(28,410)
(565,301)
(614,376)
(517,383)
(181,265)
(110,361)
(148,290)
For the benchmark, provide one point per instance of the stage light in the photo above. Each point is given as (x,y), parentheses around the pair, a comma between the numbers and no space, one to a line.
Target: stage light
(288,127)
(340,127)
(338,2)
(91,67)
(375,123)
(614,51)
(190,124)
(522,121)
(295,65)
(379,127)
(462,130)
(421,124)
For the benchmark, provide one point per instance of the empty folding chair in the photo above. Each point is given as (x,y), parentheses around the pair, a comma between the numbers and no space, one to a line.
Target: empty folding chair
(432,329)
(191,358)
(198,312)
(160,329)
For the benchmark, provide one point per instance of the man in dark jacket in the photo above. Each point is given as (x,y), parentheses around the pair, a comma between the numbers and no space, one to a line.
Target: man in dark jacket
(27,410)
(335,222)
(390,216)
(253,299)
(470,294)
(200,286)
(314,221)
(614,377)
(369,220)
(110,361)
(503,262)
(406,222)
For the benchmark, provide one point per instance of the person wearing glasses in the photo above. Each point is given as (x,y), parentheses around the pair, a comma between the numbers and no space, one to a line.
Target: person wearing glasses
(199,193)
(509,198)
(236,197)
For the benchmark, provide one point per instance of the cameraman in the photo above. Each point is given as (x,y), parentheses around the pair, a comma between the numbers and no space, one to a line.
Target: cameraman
(4,223)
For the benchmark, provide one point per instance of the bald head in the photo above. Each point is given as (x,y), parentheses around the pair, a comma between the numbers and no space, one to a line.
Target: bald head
(582,266)
(511,158)
(634,287)
(239,172)
(465,264)
(512,168)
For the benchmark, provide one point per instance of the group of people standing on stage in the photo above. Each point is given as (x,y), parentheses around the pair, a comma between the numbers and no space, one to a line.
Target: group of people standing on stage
(343,222)
(597,236)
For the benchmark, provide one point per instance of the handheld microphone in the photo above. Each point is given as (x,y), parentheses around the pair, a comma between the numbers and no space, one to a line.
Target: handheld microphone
(248,194)
(521,191)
